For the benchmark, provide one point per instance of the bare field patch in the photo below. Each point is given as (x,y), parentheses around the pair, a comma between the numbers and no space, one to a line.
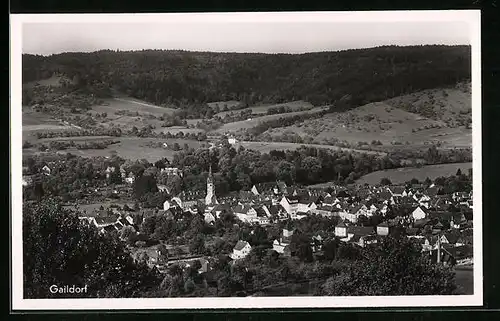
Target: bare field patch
(133,148)
(262,109)
(54,81)
(177,129)
(402,175)
(194,121)
(252,122)
(380,122)
(45,127)
(450,105)
(112,105)
(77,139)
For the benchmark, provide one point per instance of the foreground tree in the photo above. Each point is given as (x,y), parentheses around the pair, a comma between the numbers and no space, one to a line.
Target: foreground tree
(59,249)
(395,266)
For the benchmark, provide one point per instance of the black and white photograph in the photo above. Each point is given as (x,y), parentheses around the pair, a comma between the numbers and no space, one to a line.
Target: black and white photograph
(246,160)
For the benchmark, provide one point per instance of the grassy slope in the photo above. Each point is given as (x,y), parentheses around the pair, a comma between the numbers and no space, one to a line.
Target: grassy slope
(262,109)
(402,175)
(450,105)
(53,81)
(129,148)
(390,124)
(246,124)
(131,104)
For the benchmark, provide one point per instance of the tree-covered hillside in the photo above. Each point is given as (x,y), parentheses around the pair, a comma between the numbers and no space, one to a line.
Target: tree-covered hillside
(346,78)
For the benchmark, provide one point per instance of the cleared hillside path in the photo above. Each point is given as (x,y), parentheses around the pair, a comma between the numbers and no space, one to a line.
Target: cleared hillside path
(138,103)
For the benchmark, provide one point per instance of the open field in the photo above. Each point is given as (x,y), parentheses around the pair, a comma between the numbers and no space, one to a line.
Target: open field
(112,105)
(381,122)
(53,81)
(33,122)
(402,175)
(193,121)
(252,122)
(266,147)
(450,105)
(45,127)
(176,129)
(147,113)
(132,148)
(262,109)
(77,139)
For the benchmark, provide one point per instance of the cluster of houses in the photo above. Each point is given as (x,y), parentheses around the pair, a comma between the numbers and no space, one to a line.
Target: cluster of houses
(268,203)
(441,223)
(127,175)
(423,215)
(446,246)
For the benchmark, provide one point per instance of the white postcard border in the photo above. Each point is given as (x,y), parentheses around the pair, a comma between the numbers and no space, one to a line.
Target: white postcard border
(472,17)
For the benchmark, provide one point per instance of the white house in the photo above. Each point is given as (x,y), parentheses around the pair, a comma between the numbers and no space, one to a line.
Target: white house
(130,179)
(232,140)
(27,181)
(175,202)
(341,230)
(166,205)
(245,213)
(209,217)
(346,215)
(109,170)
(46,170)
(293,205)
(171,171)
(284,241)
(123,172)
(418,214)
(241,250)
(290,205)
(298,215)
(279,246)
(162,188)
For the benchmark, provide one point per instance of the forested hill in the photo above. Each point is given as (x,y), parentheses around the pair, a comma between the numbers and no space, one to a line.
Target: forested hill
(352,77)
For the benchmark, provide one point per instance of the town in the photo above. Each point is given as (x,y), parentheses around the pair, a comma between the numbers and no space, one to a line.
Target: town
(169,173)
(197,230)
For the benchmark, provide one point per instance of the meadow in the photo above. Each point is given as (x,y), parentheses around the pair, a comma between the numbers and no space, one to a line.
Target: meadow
(133,148)
(254,121)
(54,81)
(390,123)
(402,175)
(112,105)
(262,109)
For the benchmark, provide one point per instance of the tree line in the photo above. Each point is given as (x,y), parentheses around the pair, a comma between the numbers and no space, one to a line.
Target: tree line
(238,169)
(347,78)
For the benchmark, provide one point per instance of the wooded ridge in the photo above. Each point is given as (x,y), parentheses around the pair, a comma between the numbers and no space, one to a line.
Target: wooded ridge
(343,79)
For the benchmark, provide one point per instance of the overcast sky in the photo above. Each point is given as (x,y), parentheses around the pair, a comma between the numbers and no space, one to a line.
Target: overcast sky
(269,37)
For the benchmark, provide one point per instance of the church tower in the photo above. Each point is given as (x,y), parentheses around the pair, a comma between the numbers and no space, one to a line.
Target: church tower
(210,199)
